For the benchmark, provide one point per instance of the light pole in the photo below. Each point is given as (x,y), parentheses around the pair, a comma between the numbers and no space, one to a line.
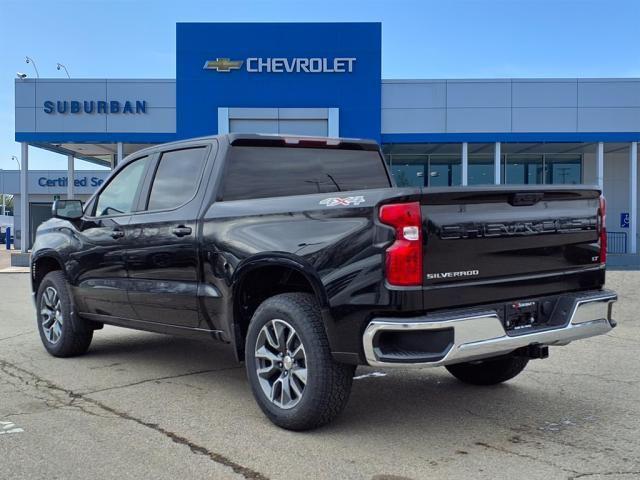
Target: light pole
(30,60)
(62,66)
(3,208)
(17,161)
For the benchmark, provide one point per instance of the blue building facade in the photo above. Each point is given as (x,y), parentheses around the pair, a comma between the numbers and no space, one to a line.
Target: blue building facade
(325,79)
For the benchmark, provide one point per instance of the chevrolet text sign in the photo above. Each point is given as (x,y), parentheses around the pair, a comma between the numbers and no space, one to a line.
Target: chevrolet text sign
(284,65)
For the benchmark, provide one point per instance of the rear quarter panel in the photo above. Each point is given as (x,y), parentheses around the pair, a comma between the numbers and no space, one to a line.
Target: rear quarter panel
(337,244)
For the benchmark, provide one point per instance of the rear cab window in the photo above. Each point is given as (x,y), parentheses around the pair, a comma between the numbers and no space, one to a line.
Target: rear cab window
(266,171)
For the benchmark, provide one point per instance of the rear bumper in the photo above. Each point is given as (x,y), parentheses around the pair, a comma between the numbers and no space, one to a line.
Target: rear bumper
(480,334)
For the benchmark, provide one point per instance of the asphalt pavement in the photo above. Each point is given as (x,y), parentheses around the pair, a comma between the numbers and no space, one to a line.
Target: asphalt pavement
(142,405)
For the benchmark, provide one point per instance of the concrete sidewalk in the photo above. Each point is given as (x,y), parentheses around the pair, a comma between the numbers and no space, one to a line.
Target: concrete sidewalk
(5,263)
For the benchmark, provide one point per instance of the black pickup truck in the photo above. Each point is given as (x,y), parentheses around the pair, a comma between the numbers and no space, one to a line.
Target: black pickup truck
(302,254)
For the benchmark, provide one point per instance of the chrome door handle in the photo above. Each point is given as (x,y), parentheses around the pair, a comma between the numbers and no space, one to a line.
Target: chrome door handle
(181,231)
(117,234)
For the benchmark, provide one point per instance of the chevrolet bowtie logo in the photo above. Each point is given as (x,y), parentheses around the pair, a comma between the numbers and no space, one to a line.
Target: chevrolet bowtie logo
(223,64)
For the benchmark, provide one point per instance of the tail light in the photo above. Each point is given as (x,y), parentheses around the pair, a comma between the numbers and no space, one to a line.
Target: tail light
(404,256)
(602,229)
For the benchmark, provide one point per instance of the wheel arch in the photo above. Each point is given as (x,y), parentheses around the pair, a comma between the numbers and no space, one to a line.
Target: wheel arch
(264,276)
(42,264)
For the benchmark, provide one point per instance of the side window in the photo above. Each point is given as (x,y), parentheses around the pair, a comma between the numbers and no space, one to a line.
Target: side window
(120,193)
(176,179)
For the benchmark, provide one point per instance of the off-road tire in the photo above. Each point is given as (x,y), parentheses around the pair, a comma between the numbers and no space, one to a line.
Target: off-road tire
(328,382)
(75,334)
(490,371)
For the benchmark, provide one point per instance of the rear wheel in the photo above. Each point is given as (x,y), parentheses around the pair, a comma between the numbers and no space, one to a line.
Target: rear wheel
(490,371)
(293,376)
(63,334)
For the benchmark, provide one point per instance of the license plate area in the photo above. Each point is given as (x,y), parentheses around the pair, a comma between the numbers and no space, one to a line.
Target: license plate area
(523,316)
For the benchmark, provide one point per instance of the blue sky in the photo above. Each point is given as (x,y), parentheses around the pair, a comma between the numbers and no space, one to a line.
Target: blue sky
(421,39)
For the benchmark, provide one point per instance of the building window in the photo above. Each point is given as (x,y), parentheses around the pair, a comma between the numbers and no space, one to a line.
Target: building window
(480,171)
(533,169)
(409,170)
(425,164)
(543,163)
(523,169)
(445,170)
(440,164)
(563,169)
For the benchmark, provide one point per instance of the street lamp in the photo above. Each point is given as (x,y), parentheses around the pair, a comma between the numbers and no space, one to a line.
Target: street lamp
(17,161)
(3,208)
(61,65)
(30,60)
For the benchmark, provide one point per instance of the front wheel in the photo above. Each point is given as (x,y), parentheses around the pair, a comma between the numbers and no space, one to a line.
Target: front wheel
(63,334)
(293,376)
(490,371)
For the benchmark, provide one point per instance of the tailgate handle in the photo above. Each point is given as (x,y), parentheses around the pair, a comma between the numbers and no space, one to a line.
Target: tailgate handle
(524,199)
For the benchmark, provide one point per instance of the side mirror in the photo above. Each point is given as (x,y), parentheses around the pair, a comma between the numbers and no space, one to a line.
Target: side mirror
(67,209)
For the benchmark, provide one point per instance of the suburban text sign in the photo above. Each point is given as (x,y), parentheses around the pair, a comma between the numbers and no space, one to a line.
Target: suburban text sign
(95,107)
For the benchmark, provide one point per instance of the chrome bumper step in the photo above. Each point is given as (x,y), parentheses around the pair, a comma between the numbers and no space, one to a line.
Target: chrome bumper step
(482,334)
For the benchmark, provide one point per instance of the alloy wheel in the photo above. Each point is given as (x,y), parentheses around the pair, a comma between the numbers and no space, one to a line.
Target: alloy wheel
(51,317)
(281,363)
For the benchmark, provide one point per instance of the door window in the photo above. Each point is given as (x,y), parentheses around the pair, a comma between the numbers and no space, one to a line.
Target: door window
(177,178)
(119,195)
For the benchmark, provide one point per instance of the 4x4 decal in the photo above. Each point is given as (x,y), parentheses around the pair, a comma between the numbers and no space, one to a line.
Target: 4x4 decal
(342,201)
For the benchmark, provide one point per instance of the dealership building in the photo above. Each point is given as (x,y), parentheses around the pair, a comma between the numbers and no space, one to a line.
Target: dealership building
(325,79)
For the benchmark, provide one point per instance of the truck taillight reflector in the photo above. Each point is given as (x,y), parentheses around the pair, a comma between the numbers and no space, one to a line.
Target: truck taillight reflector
(602,229)
(404,256)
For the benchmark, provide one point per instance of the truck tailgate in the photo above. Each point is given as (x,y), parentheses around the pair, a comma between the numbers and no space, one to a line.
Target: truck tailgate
(483,244)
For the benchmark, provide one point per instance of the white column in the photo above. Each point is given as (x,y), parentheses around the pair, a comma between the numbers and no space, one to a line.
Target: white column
(71,175)
(24,198)
(333,122)
(120,154)
(465,163)
(600,166)
(223,120)
(633,198)
(496,163)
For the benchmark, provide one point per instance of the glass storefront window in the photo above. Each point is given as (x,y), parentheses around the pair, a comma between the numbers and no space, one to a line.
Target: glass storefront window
(523,169)
(480,170)
(409,170)
(445,170)
(424,164)
(563,169)
(440,164)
